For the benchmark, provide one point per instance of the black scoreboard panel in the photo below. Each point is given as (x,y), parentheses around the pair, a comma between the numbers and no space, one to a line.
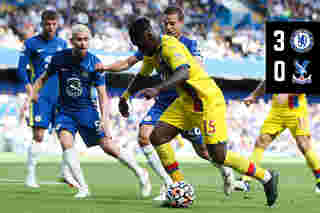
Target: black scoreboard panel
(292,57)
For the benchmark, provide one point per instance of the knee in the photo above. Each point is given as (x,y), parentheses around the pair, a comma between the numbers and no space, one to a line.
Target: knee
(304,143)
(218,159)
(217,153)
(263,141)
(38,136)
(155,139)
(205,155)
(144,138)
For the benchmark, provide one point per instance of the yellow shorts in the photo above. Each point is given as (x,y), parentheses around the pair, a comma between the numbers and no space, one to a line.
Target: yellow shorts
(211,122)
(279,120)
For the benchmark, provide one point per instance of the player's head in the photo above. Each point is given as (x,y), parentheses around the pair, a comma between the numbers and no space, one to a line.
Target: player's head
(173,21)
(143,36)
(80,38)
(49,23)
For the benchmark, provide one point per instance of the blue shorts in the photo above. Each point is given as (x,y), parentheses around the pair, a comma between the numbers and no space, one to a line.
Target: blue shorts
(193,135)
(154,114)
(86,122)
(42,113)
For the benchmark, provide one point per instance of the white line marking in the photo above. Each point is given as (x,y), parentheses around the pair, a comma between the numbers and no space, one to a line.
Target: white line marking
(20,181)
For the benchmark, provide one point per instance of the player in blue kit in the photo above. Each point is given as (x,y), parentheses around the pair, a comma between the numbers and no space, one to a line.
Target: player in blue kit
(78,112)
(37,53)
(173,20)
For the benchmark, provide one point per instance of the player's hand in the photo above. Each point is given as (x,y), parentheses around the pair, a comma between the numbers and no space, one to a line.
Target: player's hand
(148,93)
(34,97)
(249,100)
(124,107)
(99,67)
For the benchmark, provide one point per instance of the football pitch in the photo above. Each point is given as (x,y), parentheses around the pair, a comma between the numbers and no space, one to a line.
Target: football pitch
(114,189)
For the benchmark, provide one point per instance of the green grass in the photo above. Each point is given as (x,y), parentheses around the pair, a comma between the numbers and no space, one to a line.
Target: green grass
(114,189)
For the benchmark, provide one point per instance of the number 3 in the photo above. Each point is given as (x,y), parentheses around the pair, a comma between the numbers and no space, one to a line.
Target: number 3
(280,41)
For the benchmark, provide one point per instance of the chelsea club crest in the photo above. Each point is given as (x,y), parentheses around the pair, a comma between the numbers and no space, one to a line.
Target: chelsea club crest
(301,41)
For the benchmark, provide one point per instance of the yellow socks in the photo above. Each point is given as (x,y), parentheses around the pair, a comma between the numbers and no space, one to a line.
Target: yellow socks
(244,166)
(313,163)
(169,162)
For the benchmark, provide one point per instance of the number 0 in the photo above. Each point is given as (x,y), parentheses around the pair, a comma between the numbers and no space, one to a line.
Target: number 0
(280,41)
(279,71)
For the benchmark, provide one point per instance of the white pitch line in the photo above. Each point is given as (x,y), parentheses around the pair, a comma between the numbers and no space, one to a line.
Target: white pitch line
(19,181)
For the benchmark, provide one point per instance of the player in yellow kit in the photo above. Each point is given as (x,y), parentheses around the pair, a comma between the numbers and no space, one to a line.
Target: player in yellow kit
(200,103)
(288,111)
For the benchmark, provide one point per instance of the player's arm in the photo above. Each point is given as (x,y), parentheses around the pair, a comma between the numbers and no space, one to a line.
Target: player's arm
(99,83)
(176,58)
(104,109)
(259,91)
(39,84)
(196,52)
(138,80)
(43,79)
(24,60)
(135,83)
(120,65)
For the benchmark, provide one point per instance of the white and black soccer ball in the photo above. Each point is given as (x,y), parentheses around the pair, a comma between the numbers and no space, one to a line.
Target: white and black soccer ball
(180,195)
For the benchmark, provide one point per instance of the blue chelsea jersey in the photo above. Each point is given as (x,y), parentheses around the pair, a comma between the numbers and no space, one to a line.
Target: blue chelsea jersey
(76,78)
(37,53)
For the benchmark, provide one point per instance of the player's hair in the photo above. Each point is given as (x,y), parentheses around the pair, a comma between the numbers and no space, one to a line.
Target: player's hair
(49,15)
(80,28)
(170,10)
(137,29)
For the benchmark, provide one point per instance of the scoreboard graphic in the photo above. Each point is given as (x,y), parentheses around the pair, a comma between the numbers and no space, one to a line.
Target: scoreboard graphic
(292,57)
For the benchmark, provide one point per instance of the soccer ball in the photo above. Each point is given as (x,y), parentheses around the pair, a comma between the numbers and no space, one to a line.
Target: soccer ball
(180,195)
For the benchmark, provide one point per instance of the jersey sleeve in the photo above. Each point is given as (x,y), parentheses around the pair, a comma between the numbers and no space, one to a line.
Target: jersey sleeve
(99,78)
(139,55)
(147,66)
(52,69)
(175,56)
(24,60)
(146,70)
(64,44)
(194,48)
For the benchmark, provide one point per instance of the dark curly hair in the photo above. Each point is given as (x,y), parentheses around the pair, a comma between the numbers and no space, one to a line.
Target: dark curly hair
(137,29)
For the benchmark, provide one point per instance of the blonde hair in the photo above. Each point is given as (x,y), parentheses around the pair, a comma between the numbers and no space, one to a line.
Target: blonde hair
(80,28)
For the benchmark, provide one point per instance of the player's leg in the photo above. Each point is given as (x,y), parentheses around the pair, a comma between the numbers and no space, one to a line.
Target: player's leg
(66,129)
(262,142)
(165,152)
(33,154)
(151,154)
(271,128)
(214,128)
(301,131)
(71,157)
(128,159)
(305,146)
(195,137)
(39,121)
(65,175)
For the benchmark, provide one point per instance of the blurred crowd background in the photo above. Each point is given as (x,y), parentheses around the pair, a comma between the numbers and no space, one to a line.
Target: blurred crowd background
(244,125)
(223,28)
(232,29)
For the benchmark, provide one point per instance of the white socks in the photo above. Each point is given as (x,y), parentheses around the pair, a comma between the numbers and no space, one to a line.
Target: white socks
(128,159)
(155,163)
(225,171)
(34,152)
(71,158)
